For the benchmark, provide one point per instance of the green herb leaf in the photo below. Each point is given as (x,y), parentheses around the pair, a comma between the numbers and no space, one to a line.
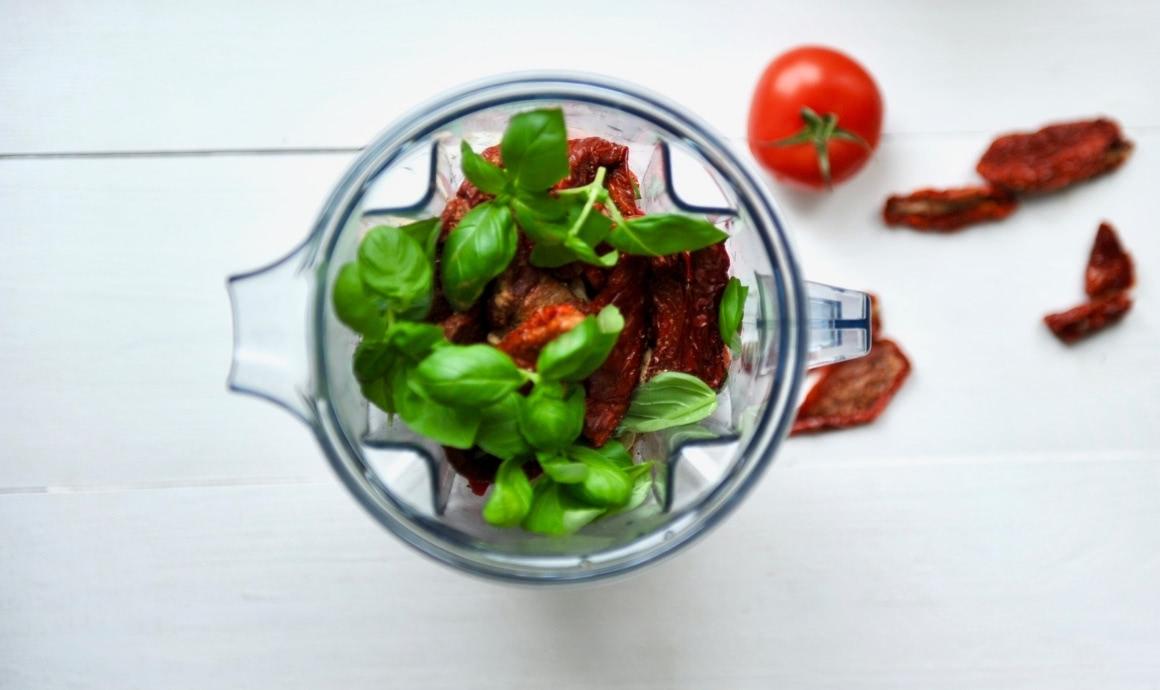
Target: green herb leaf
(415,340)
(467,375)
(510,497)
(425,232)
(607,483)
(355,306)
(535,149)
(477,250)
(449,426)
(373,360)
(550,417)
(488,177)
(731,309)
(378,393)
(642,481)
(574,355)
(555,512)
(664,234)
(669,399)
(392,264)
(561,469)
(499,432)
(615,451)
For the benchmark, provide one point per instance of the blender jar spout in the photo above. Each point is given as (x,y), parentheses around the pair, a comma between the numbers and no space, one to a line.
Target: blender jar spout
(271,323)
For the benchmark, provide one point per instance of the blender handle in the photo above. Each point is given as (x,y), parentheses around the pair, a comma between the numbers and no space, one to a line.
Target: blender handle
(839,324)
(271,357)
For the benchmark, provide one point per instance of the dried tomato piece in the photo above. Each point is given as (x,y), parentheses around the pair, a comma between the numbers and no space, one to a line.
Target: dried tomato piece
(706,355)
(465,327)
(1079,322)
(853,392)
(622,185)
(943,210)
(1109,266)
(522,289)
(1055,156)
(686,293)
(474,465)
(611,386)
(586,155)
(668,286)
(525,341)
(875,317)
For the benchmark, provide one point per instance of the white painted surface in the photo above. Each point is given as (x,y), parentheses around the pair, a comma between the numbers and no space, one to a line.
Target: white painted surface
(999,527)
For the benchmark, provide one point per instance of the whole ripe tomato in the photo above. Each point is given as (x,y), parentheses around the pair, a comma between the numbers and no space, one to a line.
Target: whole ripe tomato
(816,116)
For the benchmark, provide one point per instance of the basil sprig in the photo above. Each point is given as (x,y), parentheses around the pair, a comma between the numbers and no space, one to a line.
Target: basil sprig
(566,225)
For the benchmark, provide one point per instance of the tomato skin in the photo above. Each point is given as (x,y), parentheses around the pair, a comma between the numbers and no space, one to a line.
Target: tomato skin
(825,81)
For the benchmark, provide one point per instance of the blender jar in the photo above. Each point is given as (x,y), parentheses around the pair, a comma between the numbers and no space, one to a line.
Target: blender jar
(290,348)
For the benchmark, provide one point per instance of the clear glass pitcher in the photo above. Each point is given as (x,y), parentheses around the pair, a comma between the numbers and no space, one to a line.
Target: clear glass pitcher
(290,348)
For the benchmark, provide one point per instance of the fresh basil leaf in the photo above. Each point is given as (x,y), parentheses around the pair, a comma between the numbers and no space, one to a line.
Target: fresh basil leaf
(415,340)
(615,451)
(669,399)
(546,255)
(642,482)
(488,177)
(561,469)
(425,232)
(447,425)
(392,264)
(663,234)
(378,393)
(363,311)
(535,149)
(532,208)
(731,309)
(550,417)
(568,239)
(479,248)
(373,360)
(467,375)
(510,498)
(575,354)
(555,512)
(499,432)
(607,483)
(588,255)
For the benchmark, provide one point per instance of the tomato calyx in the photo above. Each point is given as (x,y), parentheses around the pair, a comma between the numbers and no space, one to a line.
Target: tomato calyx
(819,130)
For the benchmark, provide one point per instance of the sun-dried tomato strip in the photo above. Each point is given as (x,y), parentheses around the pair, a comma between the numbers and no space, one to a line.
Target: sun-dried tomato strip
(686,294)
(705,353)
(668,292)
(853,392)
(586,155)
(610,387)
(622,185)
(525,341)
(875,317)
(1055,156)
(1079,322)
(474,465)
(943,210)
(1109,266)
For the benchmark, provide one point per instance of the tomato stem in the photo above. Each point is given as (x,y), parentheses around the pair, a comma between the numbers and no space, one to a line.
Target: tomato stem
(819,130)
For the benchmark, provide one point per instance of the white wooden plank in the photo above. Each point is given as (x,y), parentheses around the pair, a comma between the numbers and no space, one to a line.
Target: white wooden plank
(145,246)
(997,575)
(117,332)
(140,74)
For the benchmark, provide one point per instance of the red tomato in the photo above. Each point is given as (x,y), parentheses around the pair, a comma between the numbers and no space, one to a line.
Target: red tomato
(816,116)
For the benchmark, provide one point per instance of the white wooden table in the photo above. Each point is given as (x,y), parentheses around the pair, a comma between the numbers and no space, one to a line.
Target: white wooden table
(999,527)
